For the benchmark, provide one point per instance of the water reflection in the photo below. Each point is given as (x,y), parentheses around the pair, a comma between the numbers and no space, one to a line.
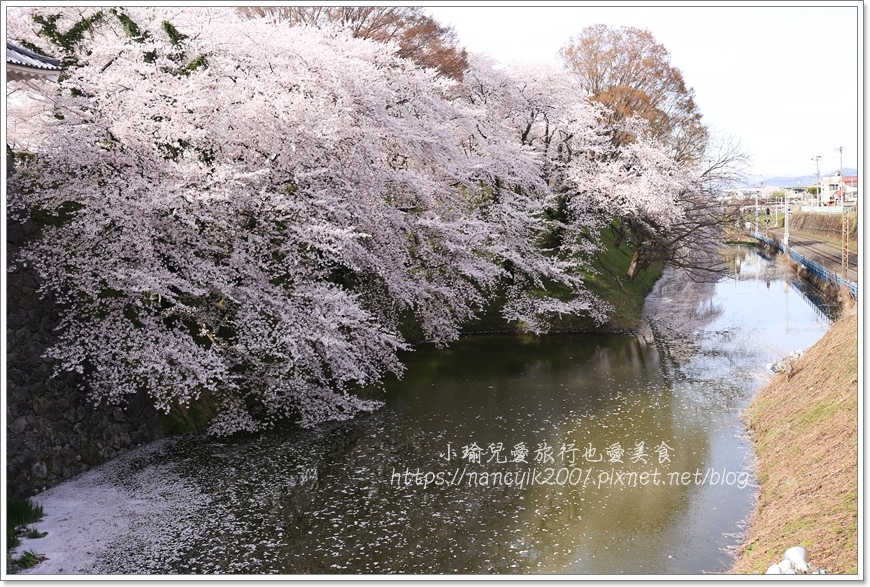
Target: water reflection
(642,434)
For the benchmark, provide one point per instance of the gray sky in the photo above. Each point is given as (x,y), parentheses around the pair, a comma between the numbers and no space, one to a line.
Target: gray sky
(783,79)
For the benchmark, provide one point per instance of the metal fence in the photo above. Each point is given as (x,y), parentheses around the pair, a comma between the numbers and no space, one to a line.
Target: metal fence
(814,268)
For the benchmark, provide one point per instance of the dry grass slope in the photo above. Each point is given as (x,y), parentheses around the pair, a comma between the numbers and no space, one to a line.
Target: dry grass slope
(806,438)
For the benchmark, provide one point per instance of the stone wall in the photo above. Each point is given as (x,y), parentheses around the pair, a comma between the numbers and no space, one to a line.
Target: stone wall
(53,431)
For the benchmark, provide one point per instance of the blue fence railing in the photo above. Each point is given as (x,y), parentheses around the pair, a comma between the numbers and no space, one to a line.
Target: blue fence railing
(814,268)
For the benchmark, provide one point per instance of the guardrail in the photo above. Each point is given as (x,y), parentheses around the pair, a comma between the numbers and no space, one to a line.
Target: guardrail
(814,268)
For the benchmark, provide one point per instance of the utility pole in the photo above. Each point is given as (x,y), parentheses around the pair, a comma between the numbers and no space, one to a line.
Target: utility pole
(844,219)
(776,213)
(756,209)
(818,178)
(785,230)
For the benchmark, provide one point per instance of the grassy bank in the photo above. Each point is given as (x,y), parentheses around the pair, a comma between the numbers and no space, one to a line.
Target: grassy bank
(805,430)
(608,281)
(19,513)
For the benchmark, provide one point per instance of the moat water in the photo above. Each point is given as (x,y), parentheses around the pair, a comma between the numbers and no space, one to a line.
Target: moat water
(561,454)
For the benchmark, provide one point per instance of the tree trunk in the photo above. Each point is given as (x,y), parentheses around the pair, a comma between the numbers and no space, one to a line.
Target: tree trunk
(635,266)
(617,235)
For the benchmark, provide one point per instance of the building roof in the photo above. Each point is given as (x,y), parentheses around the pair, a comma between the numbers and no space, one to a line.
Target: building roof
(22,64)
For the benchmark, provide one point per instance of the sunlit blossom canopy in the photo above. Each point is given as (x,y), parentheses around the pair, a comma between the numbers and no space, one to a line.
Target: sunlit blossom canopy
(22,64)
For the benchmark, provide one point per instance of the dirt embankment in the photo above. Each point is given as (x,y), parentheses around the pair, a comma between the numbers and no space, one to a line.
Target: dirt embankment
(805,429)
(827,223)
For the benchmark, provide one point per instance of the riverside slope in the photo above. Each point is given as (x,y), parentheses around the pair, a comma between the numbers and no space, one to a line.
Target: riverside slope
(805,430)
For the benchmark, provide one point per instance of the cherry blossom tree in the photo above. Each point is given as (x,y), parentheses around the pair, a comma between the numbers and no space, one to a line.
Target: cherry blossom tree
(539,109)
(250,212)
(650,198)
(657,207)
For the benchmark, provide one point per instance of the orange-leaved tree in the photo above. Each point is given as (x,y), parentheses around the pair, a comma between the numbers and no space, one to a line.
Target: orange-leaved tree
(629,72)
(419,37)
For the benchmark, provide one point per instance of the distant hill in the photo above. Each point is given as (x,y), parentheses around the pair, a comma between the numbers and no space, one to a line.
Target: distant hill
(790,181)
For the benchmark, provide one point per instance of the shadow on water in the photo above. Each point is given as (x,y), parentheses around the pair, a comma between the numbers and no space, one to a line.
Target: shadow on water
(561,454)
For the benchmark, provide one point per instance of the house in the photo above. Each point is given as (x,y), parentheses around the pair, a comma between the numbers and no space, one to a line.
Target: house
(834,189)
(850,187)
(796,193)
(743,194)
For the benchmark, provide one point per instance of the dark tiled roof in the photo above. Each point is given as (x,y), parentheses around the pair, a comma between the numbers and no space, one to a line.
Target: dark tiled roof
(21,57)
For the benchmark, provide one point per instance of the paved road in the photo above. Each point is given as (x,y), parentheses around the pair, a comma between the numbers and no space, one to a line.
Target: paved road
(830,257)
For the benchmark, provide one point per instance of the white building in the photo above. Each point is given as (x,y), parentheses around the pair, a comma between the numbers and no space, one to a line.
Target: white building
(835,189)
